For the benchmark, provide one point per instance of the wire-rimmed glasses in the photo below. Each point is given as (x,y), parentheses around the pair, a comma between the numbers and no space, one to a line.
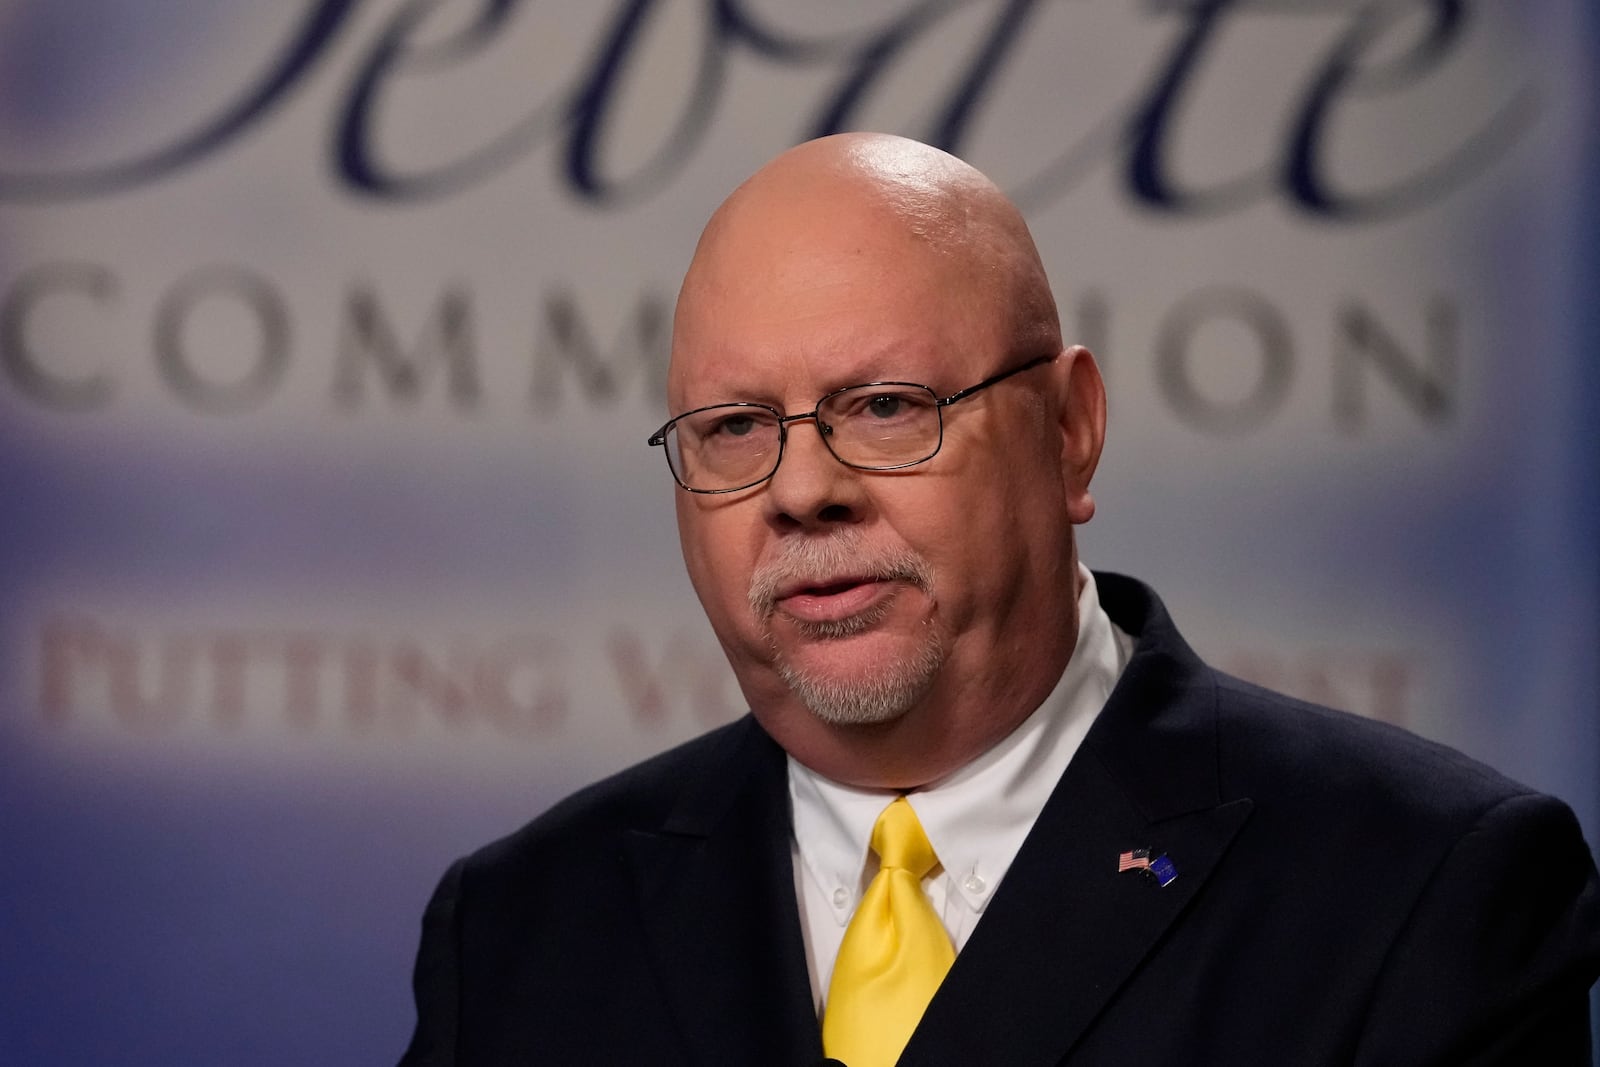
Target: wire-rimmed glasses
(875,426)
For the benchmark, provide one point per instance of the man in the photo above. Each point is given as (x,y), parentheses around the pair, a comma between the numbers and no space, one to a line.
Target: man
(882,446)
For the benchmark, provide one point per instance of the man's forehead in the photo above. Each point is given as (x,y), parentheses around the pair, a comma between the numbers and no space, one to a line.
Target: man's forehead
(821,317)
(811,243)
(776,372)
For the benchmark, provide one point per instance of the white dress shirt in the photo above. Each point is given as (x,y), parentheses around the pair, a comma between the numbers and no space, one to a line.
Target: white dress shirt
(976,818)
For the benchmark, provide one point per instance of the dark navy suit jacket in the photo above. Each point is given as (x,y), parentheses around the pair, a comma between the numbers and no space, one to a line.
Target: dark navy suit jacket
(1346,893)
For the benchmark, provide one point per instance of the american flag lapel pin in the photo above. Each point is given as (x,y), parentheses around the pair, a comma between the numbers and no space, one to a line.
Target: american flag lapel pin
(1158,866)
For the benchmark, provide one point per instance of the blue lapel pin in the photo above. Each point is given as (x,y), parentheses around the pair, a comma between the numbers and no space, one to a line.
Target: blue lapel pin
(1158,866)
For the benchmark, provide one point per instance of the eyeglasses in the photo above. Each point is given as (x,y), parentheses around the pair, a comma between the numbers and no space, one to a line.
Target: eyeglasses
(877,426)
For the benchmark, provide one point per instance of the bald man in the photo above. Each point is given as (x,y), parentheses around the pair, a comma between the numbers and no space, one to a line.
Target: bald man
(1068,839)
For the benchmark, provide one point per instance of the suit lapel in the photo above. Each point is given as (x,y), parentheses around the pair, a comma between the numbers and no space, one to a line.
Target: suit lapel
(716,889)
(1066,931)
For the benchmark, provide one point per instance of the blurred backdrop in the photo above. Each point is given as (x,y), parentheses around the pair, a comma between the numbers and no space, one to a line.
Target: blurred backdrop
(331,333)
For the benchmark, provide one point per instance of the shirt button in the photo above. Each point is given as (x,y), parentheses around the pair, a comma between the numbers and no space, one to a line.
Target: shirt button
(841,897)
(974,884)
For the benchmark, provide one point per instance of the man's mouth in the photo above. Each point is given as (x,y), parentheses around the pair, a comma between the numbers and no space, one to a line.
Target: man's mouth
(823,587)
(833,599)
(836,581)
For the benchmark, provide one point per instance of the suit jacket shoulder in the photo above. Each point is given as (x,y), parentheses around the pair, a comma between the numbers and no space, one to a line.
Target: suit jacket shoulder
(689,782)
(650,917)
(1333,763)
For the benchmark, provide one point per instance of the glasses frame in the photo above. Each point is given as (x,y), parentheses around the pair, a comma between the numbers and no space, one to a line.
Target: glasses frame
(659,438)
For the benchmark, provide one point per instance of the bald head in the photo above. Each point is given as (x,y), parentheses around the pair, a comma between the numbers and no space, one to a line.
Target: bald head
(934,195)
(858,195)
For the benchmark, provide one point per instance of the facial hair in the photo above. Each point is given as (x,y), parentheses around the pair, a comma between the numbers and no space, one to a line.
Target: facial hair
(894,687)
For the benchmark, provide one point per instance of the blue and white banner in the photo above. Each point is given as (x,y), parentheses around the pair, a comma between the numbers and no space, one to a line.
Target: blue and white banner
(331,332)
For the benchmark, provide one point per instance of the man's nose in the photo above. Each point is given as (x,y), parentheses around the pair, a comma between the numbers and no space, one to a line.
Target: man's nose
(811,487)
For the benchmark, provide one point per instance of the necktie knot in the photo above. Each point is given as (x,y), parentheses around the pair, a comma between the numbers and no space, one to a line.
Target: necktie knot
(899,841)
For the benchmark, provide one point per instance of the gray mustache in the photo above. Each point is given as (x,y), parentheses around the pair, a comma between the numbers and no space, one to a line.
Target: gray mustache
(815,560)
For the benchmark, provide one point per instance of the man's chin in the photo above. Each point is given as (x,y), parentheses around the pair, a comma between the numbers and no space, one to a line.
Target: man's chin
(861,678)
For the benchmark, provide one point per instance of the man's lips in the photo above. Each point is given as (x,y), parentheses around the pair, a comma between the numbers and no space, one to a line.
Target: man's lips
(833,599)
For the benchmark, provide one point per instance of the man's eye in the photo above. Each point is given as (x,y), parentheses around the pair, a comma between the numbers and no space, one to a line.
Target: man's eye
(886,407)
(733,426)
(898,406)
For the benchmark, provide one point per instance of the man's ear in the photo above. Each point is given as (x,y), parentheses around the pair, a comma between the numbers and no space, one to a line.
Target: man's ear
(1083,429)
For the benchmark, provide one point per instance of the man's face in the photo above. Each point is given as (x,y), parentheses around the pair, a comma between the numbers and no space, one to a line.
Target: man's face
(845,596)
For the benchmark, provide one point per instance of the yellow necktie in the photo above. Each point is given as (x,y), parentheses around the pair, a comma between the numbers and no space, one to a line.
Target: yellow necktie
(895,950)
